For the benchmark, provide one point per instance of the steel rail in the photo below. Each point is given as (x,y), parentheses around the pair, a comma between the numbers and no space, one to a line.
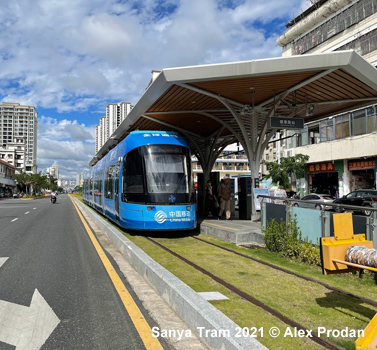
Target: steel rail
(321,341)
(327,286)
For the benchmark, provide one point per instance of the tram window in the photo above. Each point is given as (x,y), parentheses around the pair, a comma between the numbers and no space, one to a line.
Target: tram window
(91,185)
(109,182)
(133,172)
(95,185)
(166,173)
(100,177)
(117,172)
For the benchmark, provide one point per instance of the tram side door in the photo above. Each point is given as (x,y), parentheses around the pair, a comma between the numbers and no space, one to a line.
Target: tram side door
(116,188)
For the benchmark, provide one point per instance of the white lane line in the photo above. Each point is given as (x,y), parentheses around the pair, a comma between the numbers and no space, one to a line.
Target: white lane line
(27,212)
(10,206)
(14,219)
(34,208)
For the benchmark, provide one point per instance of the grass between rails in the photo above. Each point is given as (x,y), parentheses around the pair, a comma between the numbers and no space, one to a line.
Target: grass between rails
(308,303)
(366,287)
(239,310)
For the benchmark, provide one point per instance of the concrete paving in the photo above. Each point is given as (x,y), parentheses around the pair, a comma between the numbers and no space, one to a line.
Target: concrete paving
(235,231)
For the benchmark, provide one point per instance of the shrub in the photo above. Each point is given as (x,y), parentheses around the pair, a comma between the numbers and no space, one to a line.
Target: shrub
(286,239)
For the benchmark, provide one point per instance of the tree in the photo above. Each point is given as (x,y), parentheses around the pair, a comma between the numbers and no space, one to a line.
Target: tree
(32,182)
(38,182)
(23,180)
(280,173)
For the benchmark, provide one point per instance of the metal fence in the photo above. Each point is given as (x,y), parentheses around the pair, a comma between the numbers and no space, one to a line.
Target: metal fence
(313,223)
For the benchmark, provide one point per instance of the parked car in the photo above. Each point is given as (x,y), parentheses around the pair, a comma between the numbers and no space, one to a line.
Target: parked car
(319,199)
(364,198)
(277,192)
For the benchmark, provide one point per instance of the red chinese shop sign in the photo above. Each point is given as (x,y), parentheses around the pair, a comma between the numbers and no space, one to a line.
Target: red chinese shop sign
(360,164)
(323,166)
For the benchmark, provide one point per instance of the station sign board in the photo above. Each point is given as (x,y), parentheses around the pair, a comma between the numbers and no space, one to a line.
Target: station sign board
(285,123)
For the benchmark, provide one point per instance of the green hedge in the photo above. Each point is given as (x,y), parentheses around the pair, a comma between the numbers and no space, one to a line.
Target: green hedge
(286,239)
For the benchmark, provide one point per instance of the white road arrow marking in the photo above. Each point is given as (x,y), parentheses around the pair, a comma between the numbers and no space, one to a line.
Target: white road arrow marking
(27,328)
(2,261)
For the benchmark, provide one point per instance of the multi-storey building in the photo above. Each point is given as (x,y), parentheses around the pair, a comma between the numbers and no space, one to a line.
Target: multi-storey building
(115,114)
(53,170)
(342,148)
(79,179)
(7,183)
(14,153)
(18,122)
(231,162)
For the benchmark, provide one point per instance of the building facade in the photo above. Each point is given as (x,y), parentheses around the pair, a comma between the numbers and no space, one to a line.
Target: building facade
(231,162)
(115,114)
(19,122)
(53,170)
(342,148)
(14,153)
(79,179)
(7,183)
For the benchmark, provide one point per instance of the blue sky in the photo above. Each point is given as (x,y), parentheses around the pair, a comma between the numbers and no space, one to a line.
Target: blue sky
(70,58)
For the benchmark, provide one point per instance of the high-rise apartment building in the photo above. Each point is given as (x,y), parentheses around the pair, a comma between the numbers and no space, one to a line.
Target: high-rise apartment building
(19,123)
(53,170)
(115,114)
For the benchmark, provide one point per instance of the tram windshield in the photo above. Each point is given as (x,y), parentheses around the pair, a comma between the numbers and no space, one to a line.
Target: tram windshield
(166,169)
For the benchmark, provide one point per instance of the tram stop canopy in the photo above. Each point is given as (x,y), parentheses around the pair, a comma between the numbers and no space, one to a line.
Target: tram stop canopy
(219,104)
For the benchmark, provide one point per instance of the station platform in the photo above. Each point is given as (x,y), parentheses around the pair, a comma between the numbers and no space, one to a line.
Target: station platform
(235,231)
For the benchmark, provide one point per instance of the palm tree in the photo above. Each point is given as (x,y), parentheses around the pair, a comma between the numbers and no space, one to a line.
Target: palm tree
(23,180)
(38,182)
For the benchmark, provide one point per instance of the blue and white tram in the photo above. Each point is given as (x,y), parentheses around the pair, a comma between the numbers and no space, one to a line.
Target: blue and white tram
(145,183)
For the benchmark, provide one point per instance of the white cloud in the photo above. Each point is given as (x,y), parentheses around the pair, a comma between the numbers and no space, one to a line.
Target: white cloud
(80,55)
(66,142)
(74,51)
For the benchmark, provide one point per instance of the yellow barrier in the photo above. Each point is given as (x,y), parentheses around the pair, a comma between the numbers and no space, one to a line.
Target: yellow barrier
(368,341)
(333,254)
(333,249)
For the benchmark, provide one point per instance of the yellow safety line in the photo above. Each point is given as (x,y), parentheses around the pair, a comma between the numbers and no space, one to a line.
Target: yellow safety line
(228,228)
(137,317)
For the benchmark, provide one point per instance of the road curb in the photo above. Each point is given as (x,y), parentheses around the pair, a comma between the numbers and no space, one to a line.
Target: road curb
(214,328)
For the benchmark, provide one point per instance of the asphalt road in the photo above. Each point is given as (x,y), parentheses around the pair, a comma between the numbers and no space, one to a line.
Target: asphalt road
(48,250)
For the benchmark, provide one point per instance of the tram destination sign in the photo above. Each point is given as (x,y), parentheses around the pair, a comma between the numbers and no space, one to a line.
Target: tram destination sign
(285,123)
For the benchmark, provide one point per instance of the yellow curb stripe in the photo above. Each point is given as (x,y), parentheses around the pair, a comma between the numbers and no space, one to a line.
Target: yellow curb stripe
(228,228)
(137,317)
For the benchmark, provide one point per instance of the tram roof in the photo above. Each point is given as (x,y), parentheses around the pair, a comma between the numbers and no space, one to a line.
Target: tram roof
(218,101)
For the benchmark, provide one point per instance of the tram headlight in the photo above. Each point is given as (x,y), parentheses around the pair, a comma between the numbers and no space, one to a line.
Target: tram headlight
(149,208)
(188,208)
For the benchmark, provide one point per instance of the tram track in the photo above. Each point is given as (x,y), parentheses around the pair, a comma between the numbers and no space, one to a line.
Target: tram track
(325,285)
(314,337)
